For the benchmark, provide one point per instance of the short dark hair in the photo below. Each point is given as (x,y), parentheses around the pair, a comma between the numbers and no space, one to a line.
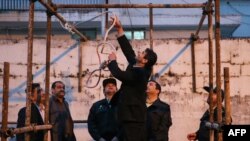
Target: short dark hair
(157,85)
(54,84)
(151,56)
(33,87)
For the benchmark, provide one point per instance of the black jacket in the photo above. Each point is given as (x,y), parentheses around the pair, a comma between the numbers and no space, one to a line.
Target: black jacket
(203,132)
(131,96)
(102,121)
(35,118)
(158,121)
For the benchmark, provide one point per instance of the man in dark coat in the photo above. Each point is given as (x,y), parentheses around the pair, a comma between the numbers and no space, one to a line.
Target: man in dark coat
(158,114)
(131,100)
(102,122)
(203,133)
(36,117)
(59,114)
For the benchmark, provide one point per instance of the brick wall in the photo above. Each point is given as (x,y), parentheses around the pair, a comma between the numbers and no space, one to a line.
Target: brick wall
(186,106)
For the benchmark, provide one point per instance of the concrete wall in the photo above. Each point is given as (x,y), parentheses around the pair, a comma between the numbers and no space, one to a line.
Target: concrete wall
(186,107)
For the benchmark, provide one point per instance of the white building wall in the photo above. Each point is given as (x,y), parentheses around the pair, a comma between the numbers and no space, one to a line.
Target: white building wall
(186,107)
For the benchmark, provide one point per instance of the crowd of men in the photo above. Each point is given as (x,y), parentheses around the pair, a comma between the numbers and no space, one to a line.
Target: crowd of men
(133,112)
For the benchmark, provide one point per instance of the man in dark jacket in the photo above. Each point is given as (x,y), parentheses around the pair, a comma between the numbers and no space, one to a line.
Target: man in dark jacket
(36,117)
(203,133)
(102,122)
(158,114)
(131,100)
(59,114)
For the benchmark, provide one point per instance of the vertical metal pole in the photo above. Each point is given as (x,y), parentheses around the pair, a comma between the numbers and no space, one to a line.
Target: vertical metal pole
(203,17)
(106,17)
(210,54)
(218,62)
(104,21)
(193,61)
(151,27)
(47,73)
(29,66)
(80,66)
(227,95)
(6,76)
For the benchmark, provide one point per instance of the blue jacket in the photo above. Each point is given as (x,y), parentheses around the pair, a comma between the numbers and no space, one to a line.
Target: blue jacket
(203,131)
(102,120)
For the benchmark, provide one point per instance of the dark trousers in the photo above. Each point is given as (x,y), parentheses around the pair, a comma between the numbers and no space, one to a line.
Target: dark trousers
(133,131)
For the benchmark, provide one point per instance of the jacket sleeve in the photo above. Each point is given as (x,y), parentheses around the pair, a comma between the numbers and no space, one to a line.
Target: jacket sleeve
(127,49)
(20,123)
(163,128)
(166,119)
(126,76)
(92,127)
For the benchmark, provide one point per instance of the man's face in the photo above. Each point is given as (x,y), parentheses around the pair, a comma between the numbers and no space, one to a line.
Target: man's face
(59,90)
(110,89)
(42,96)
(214,99)
(34,95)
(140,57)
(151,88)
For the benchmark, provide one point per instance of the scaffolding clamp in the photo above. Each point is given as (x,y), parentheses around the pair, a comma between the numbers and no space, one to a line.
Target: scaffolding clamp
(7,133)
(50,12)
(194,37)
(10,132)
(207,9)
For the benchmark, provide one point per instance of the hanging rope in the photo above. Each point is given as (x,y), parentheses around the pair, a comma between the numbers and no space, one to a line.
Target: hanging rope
(103,64)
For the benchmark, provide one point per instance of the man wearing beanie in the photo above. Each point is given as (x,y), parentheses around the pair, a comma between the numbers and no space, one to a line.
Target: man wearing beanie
(102,123)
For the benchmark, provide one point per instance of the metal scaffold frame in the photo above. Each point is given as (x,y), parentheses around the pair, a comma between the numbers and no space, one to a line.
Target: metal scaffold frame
(52,11)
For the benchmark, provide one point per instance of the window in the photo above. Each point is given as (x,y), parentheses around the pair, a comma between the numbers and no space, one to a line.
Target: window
(137,35)
(89,33)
